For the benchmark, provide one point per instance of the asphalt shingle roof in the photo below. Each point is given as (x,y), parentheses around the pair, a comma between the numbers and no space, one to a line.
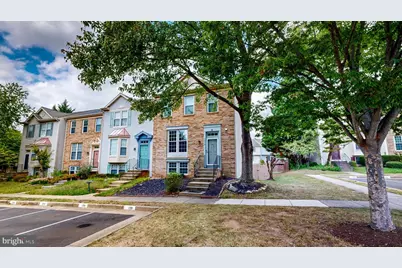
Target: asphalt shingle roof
(83,113)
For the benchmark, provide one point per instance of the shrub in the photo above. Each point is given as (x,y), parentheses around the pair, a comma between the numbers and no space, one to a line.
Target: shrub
(262,162)
(353,163)
(39,181)
(360,160)
(84,172)
(21,177)
(173,182)
(393,158)
(394,164)
(325,168)
(313,164)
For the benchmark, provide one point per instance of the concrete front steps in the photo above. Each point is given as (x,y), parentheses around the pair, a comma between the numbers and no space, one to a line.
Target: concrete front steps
(54,185)
(130,175)
(198,185)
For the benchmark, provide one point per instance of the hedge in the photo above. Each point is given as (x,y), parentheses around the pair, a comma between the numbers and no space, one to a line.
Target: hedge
(394,164)
(360,160)
(393,158)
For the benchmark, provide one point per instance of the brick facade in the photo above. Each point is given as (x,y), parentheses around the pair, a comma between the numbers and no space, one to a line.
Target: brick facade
(90,140)
(225,117)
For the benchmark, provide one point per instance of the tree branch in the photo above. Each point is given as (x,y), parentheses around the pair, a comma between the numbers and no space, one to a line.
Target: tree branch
(386,123)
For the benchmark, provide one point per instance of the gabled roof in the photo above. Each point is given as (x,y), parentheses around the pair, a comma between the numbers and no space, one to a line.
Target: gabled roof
(84,113)
(122,132)
(115,99)
(54,115)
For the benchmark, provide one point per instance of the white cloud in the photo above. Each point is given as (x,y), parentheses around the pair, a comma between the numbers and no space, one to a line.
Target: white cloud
(50,35)
(13,70)
(4,49)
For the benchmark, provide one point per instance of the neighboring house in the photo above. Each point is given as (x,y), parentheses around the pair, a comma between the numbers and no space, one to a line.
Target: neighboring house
(44,128)
(347,152)
(259,152)
(82,143)
(205,131)
(394,143)
(126,144)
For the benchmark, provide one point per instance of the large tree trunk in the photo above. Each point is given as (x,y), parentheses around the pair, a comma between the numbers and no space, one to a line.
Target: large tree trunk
(379,205)
(247,157)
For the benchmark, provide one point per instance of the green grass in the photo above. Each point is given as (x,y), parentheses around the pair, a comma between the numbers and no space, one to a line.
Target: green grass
(79,187)
(296,185)
(11,187)
(123,187)
(386,170)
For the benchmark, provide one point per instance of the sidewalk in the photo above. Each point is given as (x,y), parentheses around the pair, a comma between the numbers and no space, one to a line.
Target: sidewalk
(192,200)
(395,200)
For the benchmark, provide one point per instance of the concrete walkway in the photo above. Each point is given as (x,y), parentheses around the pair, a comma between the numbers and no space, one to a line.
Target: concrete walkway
(192,200)
(395,200)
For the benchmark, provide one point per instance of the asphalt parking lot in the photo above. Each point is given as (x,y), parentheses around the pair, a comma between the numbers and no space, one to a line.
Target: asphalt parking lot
(50,227)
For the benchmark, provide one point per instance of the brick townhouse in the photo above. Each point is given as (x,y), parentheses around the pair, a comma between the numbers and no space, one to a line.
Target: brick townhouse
(206,130)
(82,143)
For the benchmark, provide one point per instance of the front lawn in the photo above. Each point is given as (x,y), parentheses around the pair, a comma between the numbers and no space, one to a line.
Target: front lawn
(78,187)
(185,225)
(296,185)
(386,170)
(11,187)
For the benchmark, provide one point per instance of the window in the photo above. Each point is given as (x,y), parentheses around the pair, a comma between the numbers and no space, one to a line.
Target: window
(113,147)
(73,126)
(398,143)
(76,151)
(46,129)
(116,169)
(123,147)
(172,167)
(33,156)
(120,119)
(85,126)
(212,104)
(31,131)
(167,112)
(98,124)
(189,105)
(74,169)
(177,141)
(178,167)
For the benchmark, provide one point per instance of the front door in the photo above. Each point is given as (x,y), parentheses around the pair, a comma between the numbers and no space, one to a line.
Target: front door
(144,155)
(212,152)
(26,161)
(95,159)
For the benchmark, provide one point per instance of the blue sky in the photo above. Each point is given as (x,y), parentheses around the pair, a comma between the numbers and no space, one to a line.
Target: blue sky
(30,54)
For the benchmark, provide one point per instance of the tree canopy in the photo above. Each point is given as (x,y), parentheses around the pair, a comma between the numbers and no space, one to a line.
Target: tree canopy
(64,107)
(12,106)
(9,147)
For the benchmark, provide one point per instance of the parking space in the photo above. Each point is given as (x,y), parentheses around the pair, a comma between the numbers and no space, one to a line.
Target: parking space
(50,227)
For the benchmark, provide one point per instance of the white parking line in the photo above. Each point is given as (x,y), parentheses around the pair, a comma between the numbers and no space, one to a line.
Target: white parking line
(76,217)
(5,209)
(23,215)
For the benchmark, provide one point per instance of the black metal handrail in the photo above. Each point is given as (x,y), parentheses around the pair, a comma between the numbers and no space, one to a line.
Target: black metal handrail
(196,165)
(216,165)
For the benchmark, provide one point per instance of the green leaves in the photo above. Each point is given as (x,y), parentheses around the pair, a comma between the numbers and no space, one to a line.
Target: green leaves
(12,106)
(64,107)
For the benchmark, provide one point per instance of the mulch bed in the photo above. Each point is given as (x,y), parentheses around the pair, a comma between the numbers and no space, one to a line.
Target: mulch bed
(154,187)
(360,234)
(243,188)
(216,187)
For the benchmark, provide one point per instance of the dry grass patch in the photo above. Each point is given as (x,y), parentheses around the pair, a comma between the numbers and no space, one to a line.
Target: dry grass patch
(235,226)
(296,185)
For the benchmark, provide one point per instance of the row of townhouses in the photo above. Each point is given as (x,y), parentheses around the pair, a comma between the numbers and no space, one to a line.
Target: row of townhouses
(111,140)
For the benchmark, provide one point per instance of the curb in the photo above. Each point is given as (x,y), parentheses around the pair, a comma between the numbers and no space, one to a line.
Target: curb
(79,205)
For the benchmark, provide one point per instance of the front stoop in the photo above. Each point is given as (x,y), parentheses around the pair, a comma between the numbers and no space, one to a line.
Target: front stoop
(199,184)
(130,175)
